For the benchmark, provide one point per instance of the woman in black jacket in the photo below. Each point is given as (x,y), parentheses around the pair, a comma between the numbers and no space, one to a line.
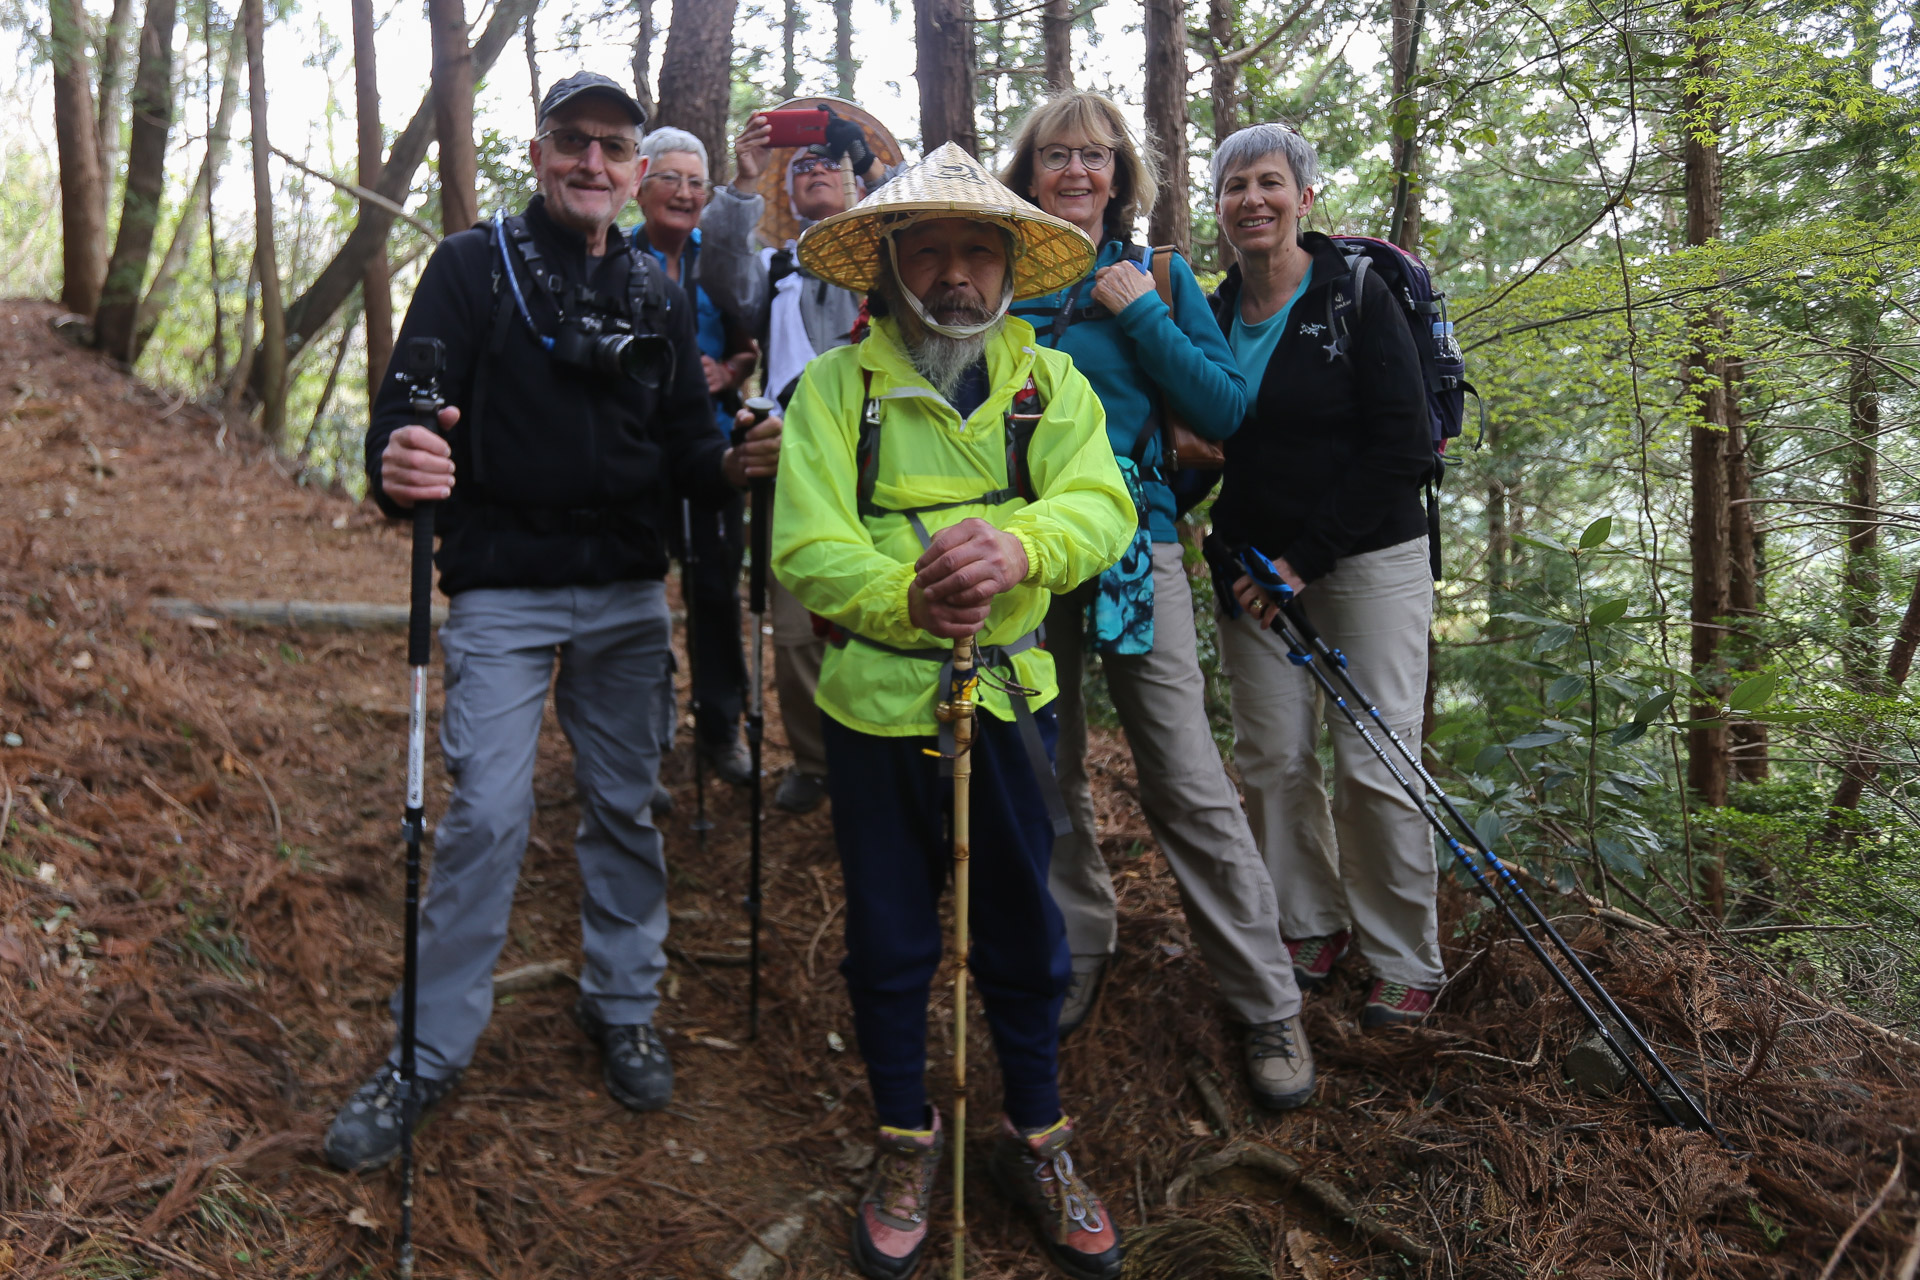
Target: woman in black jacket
(1324,478)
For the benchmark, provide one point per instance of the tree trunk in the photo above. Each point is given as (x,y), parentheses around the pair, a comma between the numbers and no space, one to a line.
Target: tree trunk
(1861,767)
(1056,36)
(83,200)
(1171,221)
(1403,115)
(314,310)
(532,43)
(453,79)
(113,75)
(643,56)
(943,66)
(844,67)
(273,322)
(1226,101)
(696,80)
(1861,577)
(193,214)
(152,106)
(790,25)
(1744,585)
(375,288)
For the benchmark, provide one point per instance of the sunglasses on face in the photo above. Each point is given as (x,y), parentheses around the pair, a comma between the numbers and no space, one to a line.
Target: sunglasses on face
(1094,157)
(572,142)
(680,182)
(808,164)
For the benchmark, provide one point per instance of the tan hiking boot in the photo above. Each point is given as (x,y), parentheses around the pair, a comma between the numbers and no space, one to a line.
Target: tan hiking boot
(1280,1064)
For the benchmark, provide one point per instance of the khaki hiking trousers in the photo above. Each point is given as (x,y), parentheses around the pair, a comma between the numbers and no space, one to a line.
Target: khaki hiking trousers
(1366,859)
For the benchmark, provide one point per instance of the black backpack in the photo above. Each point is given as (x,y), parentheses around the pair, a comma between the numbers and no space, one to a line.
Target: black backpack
(1442,365)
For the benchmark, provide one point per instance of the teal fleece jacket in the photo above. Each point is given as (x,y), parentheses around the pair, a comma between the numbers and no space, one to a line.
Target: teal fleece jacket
(1146,352)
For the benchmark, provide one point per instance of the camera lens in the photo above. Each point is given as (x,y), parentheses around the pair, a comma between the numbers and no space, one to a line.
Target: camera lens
(645,358)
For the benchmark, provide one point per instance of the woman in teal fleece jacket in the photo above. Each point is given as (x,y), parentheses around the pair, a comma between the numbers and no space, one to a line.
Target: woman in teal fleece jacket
(1075,158)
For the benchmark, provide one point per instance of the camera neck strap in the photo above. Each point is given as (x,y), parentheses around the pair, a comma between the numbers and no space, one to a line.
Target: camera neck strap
(647,301)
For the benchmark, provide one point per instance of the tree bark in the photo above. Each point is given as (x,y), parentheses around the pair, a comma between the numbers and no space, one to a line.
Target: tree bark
(375,288)
(453,79)
(696,80)
(532,43)
(1056,37)
(1403,115)
(1861,577)
(1226,100)
(193,214)
(943,66)
(643,56)
(1744,582)
(83,200)
(273,322)
(313,310)
(113,72)
(152,107)
(1171,221)
(844,66)
(790,24)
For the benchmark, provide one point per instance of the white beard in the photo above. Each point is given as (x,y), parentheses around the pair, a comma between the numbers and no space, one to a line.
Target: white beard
(943,361)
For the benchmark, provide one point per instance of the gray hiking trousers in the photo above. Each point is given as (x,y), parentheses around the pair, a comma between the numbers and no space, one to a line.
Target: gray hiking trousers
(500,646)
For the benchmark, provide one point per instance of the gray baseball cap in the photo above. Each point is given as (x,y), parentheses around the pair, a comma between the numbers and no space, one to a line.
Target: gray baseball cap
(591,83)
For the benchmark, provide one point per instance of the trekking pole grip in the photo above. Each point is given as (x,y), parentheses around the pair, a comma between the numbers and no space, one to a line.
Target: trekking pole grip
(761,531)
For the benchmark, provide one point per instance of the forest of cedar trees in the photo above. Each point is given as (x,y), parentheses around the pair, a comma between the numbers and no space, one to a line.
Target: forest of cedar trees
(1681,594)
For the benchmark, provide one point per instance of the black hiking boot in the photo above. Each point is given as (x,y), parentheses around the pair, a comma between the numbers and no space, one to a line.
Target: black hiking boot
(366,1132)
(635,1065)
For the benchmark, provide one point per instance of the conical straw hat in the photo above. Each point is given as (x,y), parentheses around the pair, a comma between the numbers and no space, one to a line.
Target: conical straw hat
(778,223)
(1049,253)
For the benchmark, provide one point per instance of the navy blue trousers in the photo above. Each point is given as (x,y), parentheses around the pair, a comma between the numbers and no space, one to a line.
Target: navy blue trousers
(890,810)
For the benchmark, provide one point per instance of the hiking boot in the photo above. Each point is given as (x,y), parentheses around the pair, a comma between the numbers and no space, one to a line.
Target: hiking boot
(890,1226)
(635,1065)
(366,1132)
(1279,1064)
(800,792)
(1083,992)
(1314,958)
(1392,1004)
(661,803)
(730,761)
(1033,1169)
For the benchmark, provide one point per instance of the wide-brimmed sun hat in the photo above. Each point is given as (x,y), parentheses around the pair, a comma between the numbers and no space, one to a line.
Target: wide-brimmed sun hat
(778,222)
(1049,253)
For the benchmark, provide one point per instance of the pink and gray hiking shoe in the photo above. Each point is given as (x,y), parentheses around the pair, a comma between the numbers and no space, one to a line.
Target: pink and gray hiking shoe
(1392,1004)
(890,1229)
(1034,1170)
(1314,958)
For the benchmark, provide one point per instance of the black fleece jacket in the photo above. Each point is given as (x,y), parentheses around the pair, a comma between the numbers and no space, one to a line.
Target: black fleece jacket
(1333,452)
(568,477)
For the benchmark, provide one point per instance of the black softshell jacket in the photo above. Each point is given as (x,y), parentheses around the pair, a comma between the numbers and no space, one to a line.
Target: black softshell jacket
(1333,453)
(569,477)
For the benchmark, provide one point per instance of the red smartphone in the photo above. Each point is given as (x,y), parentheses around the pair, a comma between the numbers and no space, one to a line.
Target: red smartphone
(797,128)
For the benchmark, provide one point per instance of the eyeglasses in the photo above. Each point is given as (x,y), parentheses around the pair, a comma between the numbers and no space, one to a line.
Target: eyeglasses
(804,165)
(1056,157)
(571,142)
(680,182)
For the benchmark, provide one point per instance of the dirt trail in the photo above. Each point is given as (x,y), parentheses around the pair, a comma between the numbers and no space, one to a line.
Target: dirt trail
(199,923)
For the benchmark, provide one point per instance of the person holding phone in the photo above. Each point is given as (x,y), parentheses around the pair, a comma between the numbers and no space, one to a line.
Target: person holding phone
(791,169)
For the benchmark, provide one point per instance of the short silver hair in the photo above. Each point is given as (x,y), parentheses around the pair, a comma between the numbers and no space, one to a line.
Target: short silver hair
(666,139)
(1257,142)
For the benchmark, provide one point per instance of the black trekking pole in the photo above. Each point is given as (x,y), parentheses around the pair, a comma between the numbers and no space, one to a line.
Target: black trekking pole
(1308,649)
(425,360)
(759,535)
(689,564)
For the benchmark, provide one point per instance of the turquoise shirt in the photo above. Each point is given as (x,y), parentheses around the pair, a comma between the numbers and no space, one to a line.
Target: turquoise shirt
(1253,344)
(1145,353)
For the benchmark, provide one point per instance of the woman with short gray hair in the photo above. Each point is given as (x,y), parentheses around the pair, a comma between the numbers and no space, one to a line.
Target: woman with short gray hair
(1324,478)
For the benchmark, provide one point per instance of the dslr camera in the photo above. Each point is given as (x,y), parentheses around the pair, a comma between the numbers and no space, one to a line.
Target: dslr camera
(589,338)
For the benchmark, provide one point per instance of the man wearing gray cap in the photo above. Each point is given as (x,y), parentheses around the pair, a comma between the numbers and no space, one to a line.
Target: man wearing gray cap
(580,418)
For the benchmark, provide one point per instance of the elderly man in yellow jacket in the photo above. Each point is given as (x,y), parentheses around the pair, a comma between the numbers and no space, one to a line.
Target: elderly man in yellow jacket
(944,477)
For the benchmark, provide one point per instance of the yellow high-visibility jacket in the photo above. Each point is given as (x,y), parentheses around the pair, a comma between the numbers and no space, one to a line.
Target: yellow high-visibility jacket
(854,571)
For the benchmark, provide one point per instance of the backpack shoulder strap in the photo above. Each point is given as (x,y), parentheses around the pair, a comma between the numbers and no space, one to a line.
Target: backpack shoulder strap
(1023,420)
(1161,265)
(866,450)
(1344,308)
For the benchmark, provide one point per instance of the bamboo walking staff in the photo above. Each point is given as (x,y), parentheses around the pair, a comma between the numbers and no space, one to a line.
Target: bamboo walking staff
(959,712)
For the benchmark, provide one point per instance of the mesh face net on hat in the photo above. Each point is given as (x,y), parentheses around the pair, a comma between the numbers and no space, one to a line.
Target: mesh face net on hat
(847,249)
